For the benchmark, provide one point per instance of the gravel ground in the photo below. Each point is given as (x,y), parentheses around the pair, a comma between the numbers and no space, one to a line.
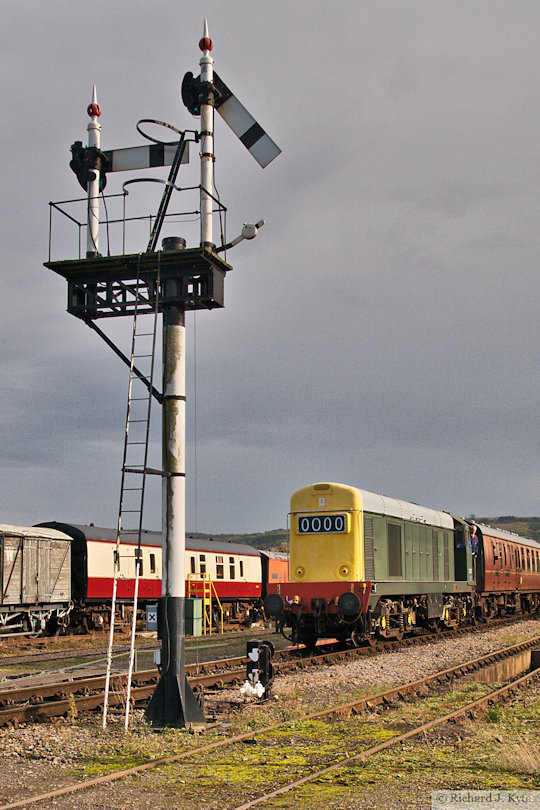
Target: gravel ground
(36,758)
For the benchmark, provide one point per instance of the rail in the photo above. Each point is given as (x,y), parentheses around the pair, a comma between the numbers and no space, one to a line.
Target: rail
(384,698)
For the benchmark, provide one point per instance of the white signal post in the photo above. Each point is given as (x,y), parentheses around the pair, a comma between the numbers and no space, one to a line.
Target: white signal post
(94,141)
(173,703)
(207,138)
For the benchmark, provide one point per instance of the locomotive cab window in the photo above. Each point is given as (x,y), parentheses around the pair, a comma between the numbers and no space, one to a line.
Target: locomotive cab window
(219,567)
(394,550)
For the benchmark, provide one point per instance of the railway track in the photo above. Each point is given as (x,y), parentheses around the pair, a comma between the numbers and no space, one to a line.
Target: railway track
(468,710)
(379,699)
(47,656)
(195,646)
(39,702)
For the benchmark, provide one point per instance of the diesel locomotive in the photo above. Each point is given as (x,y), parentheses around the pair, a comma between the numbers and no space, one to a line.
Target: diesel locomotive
(365,566)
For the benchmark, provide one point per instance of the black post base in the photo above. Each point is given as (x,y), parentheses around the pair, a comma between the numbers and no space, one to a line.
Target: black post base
(173,702)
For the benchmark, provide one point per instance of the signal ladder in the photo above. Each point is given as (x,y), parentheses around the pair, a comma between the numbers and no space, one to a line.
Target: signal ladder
(135,462)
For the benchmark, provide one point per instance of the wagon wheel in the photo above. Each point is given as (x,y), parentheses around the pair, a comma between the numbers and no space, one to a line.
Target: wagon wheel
(31,626)
(372,641)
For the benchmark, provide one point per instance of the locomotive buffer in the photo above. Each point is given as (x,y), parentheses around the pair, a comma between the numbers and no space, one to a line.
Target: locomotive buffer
(170,281)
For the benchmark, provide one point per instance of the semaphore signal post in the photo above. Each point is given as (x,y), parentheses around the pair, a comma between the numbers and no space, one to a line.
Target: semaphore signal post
(169,281)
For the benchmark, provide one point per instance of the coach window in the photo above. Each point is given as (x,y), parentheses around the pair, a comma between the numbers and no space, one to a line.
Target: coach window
(394,550)
(523,559)
(232,571)
(241,564)
(528,560)
(192,564)
(505,556)
(219,567)
(152,563)
(202,563)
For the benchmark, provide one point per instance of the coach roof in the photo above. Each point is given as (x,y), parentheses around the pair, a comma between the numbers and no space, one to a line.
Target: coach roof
(151,538)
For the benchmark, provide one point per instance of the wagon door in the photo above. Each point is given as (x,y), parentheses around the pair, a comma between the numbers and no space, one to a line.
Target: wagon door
(58,583)
(43,570)
(30,571)
(12,553)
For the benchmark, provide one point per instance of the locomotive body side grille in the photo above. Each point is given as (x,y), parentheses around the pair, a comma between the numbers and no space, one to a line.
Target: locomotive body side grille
(368,548)
(435,543)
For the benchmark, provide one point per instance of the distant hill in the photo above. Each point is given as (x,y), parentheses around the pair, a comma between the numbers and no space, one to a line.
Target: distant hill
(276,540)
(525,526)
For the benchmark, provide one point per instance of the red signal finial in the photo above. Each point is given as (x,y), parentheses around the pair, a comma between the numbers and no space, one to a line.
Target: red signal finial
(93,108)
(205,44)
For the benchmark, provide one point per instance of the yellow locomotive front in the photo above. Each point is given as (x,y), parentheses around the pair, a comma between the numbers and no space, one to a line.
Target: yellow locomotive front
(326,542)
(327,591)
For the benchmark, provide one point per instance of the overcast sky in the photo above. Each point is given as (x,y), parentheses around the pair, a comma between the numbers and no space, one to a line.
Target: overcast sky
(383,328)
